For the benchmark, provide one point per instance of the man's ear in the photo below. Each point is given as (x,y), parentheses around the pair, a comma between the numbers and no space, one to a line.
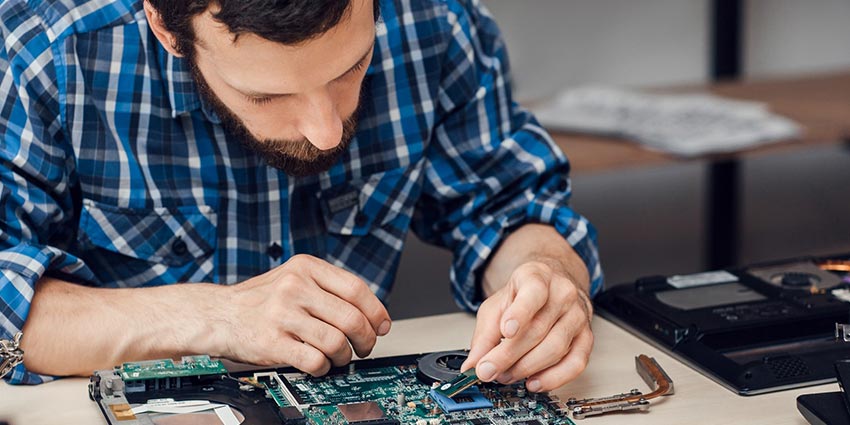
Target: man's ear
(165,37)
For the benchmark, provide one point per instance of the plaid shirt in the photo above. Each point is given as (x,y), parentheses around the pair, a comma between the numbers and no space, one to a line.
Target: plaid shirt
(114,173)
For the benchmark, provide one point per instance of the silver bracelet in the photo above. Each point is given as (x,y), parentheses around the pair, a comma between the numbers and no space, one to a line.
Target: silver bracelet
(11,354)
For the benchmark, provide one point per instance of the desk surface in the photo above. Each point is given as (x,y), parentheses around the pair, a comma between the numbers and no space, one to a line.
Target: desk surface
(611,370)
(819,103)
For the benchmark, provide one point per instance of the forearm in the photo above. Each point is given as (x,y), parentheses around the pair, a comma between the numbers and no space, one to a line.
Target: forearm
(534,242)
(74,330)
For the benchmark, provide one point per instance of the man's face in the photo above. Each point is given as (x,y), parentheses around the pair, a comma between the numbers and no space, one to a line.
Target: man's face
(295,105)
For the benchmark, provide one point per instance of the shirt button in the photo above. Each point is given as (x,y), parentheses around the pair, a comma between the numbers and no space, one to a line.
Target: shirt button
(361,219)
(179,247)
(274,250)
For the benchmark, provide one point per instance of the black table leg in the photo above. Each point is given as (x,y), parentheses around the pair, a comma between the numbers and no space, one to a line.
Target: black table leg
(722,224)
(722,221)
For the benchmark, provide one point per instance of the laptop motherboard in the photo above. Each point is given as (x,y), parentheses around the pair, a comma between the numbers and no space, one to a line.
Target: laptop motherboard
(416,389)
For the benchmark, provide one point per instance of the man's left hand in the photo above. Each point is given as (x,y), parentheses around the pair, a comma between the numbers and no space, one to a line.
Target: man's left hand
(535,327)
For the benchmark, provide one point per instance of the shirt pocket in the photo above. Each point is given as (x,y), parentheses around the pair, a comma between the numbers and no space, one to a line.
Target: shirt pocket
(133,247)
(356,207)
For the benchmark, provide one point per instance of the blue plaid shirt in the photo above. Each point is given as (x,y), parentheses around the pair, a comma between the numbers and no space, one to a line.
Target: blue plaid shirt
(114,173)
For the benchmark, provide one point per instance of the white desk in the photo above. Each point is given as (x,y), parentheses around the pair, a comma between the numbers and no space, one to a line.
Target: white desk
(611,370)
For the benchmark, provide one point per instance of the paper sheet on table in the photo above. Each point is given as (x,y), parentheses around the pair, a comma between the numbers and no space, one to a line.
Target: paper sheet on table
(681,124)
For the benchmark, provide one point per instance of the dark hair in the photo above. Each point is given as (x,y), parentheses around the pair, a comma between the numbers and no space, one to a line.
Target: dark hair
(283,21)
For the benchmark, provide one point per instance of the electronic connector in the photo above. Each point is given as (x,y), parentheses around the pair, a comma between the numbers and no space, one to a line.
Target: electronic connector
(458,384)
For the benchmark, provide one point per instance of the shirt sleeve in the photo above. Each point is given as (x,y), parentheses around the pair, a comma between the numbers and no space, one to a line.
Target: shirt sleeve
(491,168)
(36,205)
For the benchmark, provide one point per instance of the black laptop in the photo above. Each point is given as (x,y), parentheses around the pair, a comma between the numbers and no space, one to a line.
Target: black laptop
(755,329)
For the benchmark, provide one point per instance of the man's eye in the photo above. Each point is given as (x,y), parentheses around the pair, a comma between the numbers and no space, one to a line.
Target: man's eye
(358,67)
(354,70)
(259,100)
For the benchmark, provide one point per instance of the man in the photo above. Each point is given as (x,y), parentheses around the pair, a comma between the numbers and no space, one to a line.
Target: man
(275,153)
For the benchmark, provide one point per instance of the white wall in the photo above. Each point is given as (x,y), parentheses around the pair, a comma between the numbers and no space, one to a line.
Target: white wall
(793,36)
(553,43)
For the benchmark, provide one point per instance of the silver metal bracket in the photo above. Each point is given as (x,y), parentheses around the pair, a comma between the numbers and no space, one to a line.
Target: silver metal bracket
(842,332)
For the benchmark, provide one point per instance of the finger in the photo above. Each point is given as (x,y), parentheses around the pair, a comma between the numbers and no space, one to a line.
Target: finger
(550,351)
(304,357)
(570,367)
(503,356)
(330,341)
(486,334)
(345,317)
(531,295)
(350,288)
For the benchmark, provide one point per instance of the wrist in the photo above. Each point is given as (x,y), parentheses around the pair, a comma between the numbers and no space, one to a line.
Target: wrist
(534,243)
(195,322)
(212,330)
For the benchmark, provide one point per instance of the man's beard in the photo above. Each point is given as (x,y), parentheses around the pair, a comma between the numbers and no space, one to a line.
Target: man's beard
(297,158)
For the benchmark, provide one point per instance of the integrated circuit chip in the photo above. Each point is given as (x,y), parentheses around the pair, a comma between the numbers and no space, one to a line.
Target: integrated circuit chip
(361,412)
(468,399)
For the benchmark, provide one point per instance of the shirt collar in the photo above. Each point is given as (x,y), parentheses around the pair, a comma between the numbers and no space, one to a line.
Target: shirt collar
(182,90)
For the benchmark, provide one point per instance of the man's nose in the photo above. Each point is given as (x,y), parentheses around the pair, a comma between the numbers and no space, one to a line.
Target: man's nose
(320,123)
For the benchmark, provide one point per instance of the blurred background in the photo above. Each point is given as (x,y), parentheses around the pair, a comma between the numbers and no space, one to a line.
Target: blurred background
(651,220)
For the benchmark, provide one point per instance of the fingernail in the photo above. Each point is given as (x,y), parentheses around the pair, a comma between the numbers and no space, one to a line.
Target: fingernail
(384,328)
(486,371)
(511,328)
(533,386)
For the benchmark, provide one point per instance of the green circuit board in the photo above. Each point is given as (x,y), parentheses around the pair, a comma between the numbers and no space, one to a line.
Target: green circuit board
(388,391)
(393,395)
(167,368)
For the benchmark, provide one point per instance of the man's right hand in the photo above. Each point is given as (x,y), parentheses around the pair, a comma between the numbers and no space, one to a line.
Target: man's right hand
(303,313)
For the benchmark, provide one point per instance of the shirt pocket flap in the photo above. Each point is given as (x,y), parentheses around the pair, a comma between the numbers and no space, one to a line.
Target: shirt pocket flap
(355,207)
(171,236)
